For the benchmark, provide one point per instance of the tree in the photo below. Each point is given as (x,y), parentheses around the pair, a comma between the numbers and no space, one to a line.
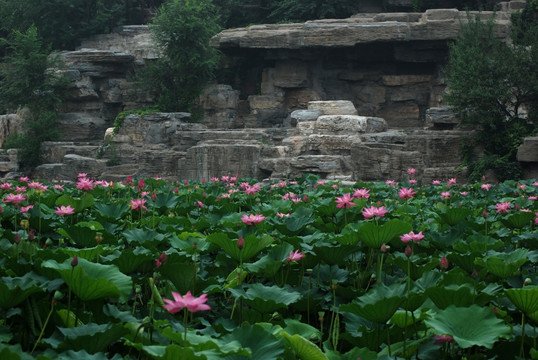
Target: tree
(25,82)
(182,30)
(492,85)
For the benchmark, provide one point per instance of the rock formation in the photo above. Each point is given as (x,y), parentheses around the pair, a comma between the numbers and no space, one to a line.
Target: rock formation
(354,99)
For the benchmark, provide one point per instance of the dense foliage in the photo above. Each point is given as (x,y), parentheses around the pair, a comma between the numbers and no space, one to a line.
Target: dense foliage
(236,269)
(62,24)
(182,30)
(494,85)
(24,82)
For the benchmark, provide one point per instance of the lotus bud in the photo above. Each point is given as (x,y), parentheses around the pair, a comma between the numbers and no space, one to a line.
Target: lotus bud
(240,242)
(98,237)
(527,281)
(444,263)
(408,251)
(74,261)
(58,295)
(385,248)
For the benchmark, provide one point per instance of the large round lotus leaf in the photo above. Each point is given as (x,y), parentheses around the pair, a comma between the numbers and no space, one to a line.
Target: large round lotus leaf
(519,220)
(525,299)
(263,344)
(379,304)
(253,245)
(304,349)
(90,281)
(504,265)
(374,235)
(454,215)
(469,326)
(267,299)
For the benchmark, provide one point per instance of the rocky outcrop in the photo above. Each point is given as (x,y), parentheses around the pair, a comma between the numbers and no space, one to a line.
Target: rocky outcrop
(346,99)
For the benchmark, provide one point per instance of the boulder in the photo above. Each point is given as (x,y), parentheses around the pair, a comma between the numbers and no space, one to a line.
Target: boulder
(333,107)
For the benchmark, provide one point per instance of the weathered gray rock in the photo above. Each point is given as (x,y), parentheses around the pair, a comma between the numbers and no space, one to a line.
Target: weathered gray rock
(81,127)
(75,164)
(333,107)
(9,125)
(441,116)
(298,116)
(528,151)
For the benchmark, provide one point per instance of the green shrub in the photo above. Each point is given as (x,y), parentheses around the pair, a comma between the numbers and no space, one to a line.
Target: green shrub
(492,86)
(182,30)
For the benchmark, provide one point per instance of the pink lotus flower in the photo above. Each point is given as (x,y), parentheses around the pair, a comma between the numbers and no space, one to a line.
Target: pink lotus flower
(251,190)
(24,209)
(199,204)
(503,207)
(485,187)
(361,194)
(294,256)
(412,182)
(533,198)
(441,339)
(464,193)
(20,189)
(24,179)
(188,301)
(5,186)
(14,199)
(412,237)
(85,184)
(411,171)
(391,183)
(59,187)
(451,181)
(282,215)
(141,185)
(446,194)
(214,179)
(406,193)
(64,210)
(345,201)
(334,186)
(82,175)
(374,211)
(252,219)
(436,182)
(138,204)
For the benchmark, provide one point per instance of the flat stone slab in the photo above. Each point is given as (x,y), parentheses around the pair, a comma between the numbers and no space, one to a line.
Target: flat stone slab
(333,107)
(528,151)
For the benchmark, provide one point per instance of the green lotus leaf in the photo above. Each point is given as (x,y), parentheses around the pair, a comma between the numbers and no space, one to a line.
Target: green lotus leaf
(82,236)
(469,326)
(519,220)
(79,204)
(445,296)
(112,211)
(263,344)
(14,290)
(166,200)
(417,267)
(90,337)
(379,304)
(504,265)
(90,253)
(374,235)
(253,245)
(267,299)
(295,327)
(454,215)
(525,299)
(269,264)
(296,222)
(90,281)
(131,260)
(354,354)
(13,352)
(334,254)
(180,271)
(304,349)
(146,238)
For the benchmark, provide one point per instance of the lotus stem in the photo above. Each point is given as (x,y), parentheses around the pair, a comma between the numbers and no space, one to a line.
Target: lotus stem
(44,326)
(522,347)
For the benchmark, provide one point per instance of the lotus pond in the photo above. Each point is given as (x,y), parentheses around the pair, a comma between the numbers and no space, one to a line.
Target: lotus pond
(236,269)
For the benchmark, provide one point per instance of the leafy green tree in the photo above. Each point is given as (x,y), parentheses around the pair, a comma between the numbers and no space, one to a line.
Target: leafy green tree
(182,30)
(493,86)
(64,23)
(25,82)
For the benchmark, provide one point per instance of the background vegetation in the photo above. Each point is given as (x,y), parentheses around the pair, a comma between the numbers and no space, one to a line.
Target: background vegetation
(493,85)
